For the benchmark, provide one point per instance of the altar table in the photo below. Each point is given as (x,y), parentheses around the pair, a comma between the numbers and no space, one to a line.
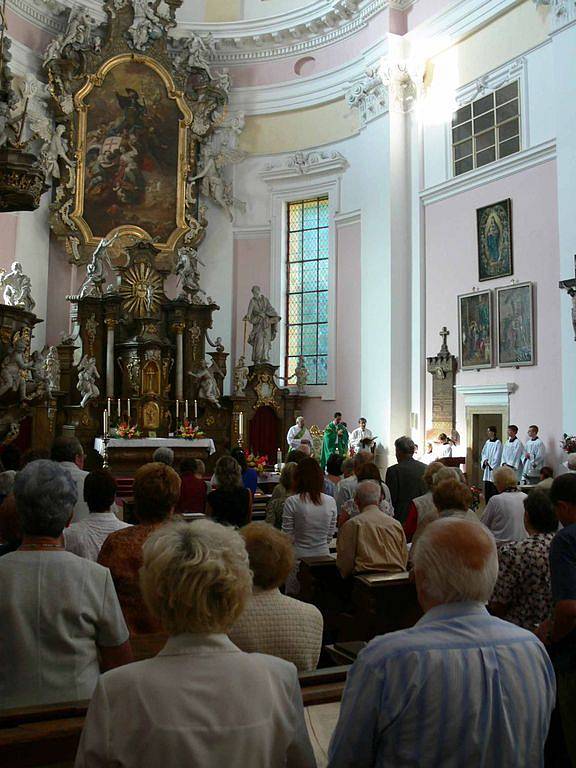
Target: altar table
(126,456)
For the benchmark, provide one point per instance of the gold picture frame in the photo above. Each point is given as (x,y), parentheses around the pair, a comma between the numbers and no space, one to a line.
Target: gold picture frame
(82,108)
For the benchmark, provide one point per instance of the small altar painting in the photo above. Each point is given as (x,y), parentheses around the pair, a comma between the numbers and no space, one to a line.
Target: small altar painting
(494,224)
(151,416)
(515,325)
(131,168)
(475,324)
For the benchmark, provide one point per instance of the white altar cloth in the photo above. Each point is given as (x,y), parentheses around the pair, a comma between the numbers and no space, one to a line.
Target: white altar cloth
(155,442)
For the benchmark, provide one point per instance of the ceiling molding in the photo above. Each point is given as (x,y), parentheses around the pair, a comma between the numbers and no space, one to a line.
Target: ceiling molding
(300,165)
(305,92)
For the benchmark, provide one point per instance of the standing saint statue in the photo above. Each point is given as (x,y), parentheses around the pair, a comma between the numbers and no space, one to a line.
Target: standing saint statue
(264,319)
(95,270)
(87,375)
(335,439)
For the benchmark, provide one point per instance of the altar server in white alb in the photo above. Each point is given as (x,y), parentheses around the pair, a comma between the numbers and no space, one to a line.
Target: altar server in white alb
(513,451)
(298,434)
(361,437)
(534,457)
(490,459)
(444,446)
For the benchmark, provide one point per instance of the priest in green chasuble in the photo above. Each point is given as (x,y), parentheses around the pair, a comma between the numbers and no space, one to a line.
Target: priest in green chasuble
(335,439)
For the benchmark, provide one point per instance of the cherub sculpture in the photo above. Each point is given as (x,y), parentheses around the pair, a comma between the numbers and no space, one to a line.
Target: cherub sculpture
(241,373)
(11,369)
(208,388)
(17,288)
(87,375)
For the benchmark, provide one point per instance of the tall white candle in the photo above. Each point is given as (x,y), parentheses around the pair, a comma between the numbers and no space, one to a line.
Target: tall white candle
(128,404)
(119,407)
(109,407)
(186,409)
(177,408)
(240,423)
(195,409)
(105,422)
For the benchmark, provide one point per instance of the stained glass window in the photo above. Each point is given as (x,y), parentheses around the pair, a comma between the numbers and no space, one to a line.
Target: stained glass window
(307,288)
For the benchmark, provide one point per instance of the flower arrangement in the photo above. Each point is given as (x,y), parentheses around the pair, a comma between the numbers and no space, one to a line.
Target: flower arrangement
(568,443)
(256,462)
(189,432)
(476,496)
(127,432)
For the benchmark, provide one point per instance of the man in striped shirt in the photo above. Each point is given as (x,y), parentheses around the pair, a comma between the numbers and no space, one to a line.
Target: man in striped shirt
(461,688)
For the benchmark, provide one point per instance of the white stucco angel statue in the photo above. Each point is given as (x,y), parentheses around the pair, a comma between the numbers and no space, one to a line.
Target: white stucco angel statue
(17,288)
(53,151)
(188,273)
(208,388)
(87,375)
(52,367)
(95,269)
(241,373)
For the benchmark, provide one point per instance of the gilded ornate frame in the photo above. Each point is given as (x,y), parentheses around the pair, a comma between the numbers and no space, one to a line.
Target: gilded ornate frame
(95,81)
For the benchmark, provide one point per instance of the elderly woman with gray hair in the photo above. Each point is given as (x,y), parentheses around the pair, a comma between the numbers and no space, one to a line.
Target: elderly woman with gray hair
(58,612)
(202,701)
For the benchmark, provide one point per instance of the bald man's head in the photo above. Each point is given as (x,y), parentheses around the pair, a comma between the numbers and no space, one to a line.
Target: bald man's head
(455,561)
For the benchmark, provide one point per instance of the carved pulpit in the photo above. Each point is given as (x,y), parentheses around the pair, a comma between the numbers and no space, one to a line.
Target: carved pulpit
(443,367)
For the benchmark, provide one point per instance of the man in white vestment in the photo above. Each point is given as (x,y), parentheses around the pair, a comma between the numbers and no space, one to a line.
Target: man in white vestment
(298,434)
(361,437)
(490,459)
(513,451)
(534,457)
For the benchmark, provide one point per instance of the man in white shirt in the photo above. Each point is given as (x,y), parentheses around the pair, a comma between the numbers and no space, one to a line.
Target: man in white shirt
(86,537)
(361,437)
(68,452)
(490,459)
(513,451)
(534,457)
(298,434)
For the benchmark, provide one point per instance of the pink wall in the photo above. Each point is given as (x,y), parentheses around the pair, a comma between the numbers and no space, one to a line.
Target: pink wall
(8,231)
(423,10)
(26,33)
(348,298)
(62,279)
(451,269)
(251,267)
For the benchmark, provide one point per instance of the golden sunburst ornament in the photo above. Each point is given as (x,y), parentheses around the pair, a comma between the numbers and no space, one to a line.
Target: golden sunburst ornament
(141,290)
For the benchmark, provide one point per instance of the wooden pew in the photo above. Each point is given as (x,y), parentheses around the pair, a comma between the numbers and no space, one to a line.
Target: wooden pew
(48,736)
(384,602)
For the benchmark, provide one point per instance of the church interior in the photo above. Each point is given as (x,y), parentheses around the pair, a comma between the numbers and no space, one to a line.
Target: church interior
(287,383)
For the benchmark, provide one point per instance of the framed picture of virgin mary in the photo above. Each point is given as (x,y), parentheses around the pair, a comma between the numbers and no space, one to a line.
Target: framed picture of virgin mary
(494,224)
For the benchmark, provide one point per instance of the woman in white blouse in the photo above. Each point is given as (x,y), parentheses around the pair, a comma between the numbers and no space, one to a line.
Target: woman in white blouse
(202,701)
(58,612)
(309,517)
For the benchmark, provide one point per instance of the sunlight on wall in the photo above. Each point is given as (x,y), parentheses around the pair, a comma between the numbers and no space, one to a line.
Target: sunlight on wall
(440,82)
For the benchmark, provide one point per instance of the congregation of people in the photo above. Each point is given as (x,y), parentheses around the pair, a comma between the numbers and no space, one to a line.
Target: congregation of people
(487,676)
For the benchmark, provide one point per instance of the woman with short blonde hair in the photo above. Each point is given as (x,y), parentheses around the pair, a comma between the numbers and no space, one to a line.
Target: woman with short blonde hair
(187,706)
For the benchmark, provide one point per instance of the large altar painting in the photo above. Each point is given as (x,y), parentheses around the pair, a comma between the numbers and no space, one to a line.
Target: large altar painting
(494,224)
(132,135)
(475,320)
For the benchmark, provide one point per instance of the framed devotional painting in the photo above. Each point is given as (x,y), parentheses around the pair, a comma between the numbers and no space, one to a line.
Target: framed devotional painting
(515,306)
(475,330)
(494,227)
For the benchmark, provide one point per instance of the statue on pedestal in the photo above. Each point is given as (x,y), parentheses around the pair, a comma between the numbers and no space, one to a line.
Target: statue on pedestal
(241,374)
(301,373)
(188,274)
(52,367)
(264,319)
(95,274)
(208,388)
(87,375)
(17,288)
